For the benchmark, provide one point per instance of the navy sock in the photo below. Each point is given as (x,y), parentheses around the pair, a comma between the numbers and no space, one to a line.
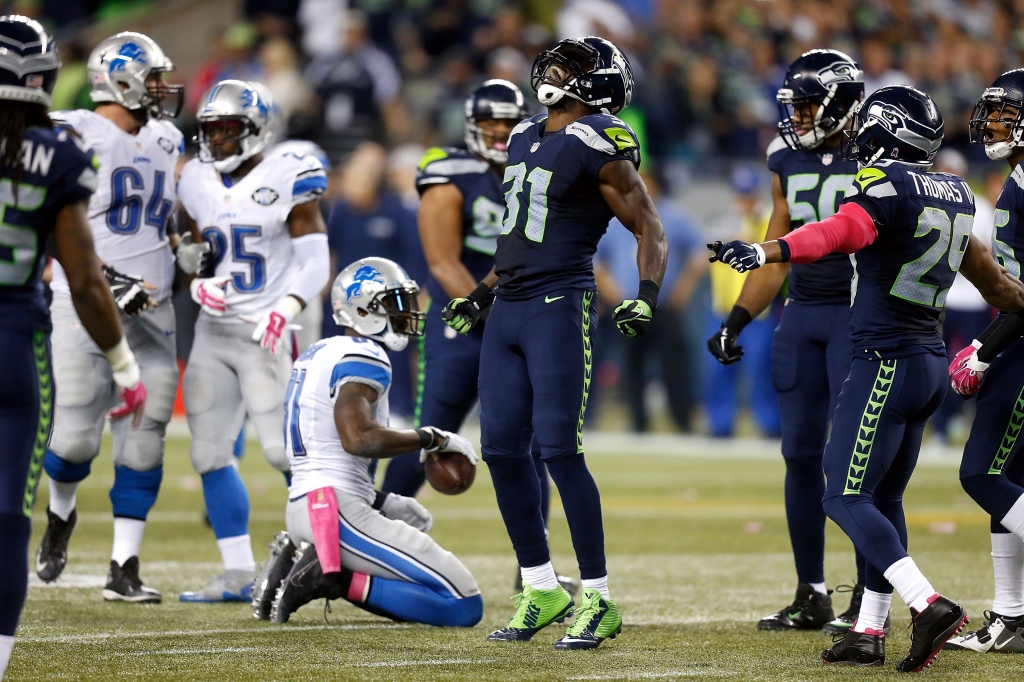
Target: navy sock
(804,488)
(862,567)
(227,502)
(15,530)
(880,537)
(545,484)
(404,475)
(518,491)
(582,503)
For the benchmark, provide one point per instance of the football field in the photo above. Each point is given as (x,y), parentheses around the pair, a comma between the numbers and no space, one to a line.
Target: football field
(697,549)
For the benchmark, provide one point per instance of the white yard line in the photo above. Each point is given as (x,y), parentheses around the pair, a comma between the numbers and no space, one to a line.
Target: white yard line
(410,664)
(104,636)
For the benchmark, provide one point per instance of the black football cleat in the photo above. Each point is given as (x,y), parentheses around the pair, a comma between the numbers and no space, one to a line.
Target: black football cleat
(279,563)
(845,620)
(932,628)
(123,584)
(999,634)
(810,610)
(304,583)
(52,555)
(856,649)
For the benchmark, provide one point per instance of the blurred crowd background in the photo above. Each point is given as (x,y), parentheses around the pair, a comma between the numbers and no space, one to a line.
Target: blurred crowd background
(376,82)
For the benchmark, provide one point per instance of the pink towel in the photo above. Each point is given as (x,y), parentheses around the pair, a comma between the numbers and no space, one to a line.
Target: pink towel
(323,517)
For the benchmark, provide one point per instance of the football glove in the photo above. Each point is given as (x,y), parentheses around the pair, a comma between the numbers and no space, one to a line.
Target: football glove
(723,346)
(436,440)
(633,316)
(738,255)
(407,509)
(127,377)
(967,372)
(462,314)
(209,292)
(128,291)
(273,324)
(192,258)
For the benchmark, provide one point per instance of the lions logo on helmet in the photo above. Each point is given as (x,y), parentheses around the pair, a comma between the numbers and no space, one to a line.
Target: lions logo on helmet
(246,103)
(119,68)
(129,52)
(366,273)
(376,298)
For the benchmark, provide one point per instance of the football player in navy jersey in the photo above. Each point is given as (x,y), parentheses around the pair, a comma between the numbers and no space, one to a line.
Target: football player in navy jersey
(569,171)
(811,349)
(911,231)
(45,183)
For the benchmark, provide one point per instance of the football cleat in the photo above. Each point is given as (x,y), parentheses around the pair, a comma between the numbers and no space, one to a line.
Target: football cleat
(123,584)
(931,629)
(535,610)
(1000,634)
(597,619)
(844,621)
(304,583)
(280,561)
(810,610)
(226,587)
(856,649)
(570,585)
(52,555)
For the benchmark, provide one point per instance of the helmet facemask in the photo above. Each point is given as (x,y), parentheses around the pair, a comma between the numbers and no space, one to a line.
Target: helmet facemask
(391,316)
(246,138)
(826,120)
(477,141)
(162,99)
(992,115)
(557,72)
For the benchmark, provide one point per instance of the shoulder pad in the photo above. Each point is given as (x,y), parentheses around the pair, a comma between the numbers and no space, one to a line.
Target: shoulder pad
(606,128)
(777,145)
(523,126)
(448,161)
(1017,176)
(874,181)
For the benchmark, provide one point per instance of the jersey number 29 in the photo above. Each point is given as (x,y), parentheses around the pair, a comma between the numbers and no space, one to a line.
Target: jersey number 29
(912,283)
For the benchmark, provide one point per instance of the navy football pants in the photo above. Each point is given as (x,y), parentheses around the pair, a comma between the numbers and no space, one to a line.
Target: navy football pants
(991,471)
(535,372)
(811,356)
(873,449)
(26,417)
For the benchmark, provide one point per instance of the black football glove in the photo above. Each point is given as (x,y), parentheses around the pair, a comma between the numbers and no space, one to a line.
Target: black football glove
(129,294)
(462,314)
(738,255)
(722,343)
(634,315)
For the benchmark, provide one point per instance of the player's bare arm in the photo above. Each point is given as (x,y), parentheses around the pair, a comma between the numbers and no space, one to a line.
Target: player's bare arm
(440,226)
(1001,289)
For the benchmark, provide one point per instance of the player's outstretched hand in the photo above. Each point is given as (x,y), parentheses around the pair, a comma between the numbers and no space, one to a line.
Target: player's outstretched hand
(446,441)
(129,291)
(402,508)
(192,258)
(633,317)
(738,255)
(209,292)
(723,346)
(462,314)
(967,372)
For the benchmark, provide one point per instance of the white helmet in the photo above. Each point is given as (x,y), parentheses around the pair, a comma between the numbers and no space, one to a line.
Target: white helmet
(375,297)
(119,67)
(233,100)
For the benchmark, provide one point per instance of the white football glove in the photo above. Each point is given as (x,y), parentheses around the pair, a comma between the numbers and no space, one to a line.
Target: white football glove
(192,258)
(209,292)
(446,441)
(402,508)
(272,325)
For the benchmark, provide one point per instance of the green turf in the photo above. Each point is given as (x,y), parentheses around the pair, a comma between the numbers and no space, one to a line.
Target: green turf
(697,552)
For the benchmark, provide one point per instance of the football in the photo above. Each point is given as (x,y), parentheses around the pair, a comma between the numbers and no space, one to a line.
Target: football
(449,473)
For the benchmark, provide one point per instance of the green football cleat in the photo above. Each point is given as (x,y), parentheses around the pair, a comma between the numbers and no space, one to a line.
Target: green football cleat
(535,610)
(596,620)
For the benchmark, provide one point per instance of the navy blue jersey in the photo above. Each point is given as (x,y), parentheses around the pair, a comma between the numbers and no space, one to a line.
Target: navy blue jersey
(1008,235)
(57,172)
(924,224)
(554,211)
(482,206)
(814,182)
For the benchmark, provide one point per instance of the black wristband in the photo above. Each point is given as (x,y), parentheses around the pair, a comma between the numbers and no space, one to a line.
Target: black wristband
(737,320)
(648,293)
(994,325)
(426,438)
(378,501)
(784,249)
(482,295)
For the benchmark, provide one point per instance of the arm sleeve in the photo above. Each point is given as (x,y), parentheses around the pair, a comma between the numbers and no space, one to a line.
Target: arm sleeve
(313,256)
(998,338)
(848,231)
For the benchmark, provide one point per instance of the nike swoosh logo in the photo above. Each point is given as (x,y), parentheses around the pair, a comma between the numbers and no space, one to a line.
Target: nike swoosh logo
(548,299)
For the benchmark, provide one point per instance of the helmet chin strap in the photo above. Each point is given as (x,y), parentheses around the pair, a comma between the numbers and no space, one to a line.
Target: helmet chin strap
(395,342)
(548,94)
(229,164)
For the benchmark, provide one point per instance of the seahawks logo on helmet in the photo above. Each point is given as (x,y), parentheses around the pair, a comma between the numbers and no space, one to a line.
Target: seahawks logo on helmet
(839,72)
(367,273)
(265,196)
(129,52)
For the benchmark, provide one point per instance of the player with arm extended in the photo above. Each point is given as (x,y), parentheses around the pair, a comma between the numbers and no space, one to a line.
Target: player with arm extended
(137,148)
(569,172)
(911,231)
(262,220)
(336,425)
(992,470)
(811,351)
(46,178)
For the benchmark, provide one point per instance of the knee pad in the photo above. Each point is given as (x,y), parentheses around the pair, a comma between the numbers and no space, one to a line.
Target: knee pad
(64,471)
(140,449)
(207,457)
(278,458)
(161,387)
(134,492)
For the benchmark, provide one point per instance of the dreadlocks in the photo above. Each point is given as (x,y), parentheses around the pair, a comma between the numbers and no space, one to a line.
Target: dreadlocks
(15,118)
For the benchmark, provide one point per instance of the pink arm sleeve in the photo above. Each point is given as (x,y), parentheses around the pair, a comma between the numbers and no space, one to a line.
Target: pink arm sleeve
(848,231)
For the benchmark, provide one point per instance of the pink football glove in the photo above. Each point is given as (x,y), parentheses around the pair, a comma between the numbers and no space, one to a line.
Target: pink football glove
(133,404)
(209,292)
(966,372)
(274,323)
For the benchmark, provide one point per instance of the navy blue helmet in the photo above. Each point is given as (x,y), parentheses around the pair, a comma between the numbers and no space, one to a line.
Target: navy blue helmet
(28,61)
(591,70)
(1000,106)
(495,99)
(898,123)
(826,78)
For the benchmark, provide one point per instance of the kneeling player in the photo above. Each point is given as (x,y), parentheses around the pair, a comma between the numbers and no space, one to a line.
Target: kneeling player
(336,415)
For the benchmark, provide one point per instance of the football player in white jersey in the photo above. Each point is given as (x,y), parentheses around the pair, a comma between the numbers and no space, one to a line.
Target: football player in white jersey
(269,241)
(345,540)
(137,149)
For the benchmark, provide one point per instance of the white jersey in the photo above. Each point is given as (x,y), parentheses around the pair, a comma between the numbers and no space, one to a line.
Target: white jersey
(128,212)
(315,452)
(246,226)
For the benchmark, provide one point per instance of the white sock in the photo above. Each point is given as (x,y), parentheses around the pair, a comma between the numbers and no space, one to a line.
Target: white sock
(909,581)
(62,498)
(6,645)
(1008,567)
(873,609)
(599,584)
(127,538)
(1014,519)
(236,553)
(819,588)
(540,577)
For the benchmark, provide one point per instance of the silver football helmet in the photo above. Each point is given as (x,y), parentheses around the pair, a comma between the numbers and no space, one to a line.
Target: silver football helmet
(242,102)
(119,67)
(376,298)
